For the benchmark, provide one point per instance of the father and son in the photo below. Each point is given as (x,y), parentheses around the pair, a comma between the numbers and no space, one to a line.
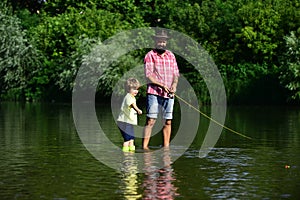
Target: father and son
(161,72)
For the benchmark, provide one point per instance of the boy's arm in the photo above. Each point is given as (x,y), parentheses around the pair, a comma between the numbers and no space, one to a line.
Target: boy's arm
(134,106)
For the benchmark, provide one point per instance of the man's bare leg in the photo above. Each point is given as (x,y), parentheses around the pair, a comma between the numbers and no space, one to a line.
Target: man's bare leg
(147,132)
(167,132)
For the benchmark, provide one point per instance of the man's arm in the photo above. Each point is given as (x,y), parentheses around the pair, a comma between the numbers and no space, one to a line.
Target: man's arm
(152,80)
(174,85)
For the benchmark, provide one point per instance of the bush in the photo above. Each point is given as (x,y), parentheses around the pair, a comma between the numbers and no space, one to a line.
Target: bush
(19,61)
(290,70)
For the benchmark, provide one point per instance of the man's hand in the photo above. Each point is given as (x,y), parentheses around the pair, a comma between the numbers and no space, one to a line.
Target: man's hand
(173,89)
(166,89)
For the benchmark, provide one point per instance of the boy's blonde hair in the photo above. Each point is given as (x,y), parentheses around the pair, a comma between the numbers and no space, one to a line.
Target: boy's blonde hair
(132,83)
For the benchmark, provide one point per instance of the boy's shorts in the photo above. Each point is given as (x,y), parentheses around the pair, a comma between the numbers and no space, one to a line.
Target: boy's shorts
(127,131)
(157,104)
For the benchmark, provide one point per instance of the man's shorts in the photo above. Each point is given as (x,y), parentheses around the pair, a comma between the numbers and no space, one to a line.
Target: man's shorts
(157,104)
(127,131)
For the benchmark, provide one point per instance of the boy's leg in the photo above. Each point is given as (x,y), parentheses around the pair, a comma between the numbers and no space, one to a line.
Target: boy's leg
(131,145)
(130,137)
(125,147)
(126,144)
(127,132)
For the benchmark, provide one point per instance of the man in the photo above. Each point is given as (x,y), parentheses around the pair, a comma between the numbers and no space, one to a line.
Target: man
(162,74)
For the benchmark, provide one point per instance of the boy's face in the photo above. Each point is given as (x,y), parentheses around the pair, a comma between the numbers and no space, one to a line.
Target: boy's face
(134,91)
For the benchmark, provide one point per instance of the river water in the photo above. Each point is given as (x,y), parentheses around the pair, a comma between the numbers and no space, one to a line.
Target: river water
(43,157)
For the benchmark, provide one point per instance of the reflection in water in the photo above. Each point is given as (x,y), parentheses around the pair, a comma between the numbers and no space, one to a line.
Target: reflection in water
(42,157)
(158,183)
(129,177)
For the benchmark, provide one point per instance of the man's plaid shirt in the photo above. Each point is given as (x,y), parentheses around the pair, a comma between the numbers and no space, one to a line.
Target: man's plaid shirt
(163,68)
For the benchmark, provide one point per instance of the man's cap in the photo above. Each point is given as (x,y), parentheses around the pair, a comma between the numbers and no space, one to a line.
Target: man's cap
(161,33)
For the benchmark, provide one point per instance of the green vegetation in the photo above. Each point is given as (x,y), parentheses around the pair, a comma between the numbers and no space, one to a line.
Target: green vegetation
(255,44)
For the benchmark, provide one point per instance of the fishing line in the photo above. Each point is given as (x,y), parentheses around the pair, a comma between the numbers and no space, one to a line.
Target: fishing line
(225,127)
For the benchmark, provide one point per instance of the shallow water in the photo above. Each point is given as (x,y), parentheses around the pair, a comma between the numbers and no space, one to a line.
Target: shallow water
(42,157)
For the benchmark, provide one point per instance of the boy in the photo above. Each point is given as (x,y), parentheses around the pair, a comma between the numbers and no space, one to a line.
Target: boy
(128,115)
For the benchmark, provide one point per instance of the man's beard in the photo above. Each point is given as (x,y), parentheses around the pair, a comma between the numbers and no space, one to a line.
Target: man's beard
(160,50)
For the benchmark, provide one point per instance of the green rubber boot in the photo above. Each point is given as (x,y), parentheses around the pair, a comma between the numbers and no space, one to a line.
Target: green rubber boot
(132,148)
(125,149)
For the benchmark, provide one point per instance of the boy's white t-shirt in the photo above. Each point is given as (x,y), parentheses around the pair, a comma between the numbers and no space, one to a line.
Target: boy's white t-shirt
(128,114)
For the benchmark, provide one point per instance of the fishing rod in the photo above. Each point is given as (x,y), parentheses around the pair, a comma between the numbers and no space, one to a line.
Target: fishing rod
(225,127)
(211,119)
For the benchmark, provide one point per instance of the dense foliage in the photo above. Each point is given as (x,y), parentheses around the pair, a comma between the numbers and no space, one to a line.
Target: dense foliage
(20,61)
(255,44)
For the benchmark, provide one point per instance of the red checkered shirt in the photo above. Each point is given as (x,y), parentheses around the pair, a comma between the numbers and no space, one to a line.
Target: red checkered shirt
(163,67)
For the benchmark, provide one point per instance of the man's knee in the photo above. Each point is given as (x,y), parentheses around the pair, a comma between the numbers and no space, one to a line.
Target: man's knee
(168,122)
(150,122)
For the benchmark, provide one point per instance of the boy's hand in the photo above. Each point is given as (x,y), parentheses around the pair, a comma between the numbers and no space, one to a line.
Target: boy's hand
(140,112)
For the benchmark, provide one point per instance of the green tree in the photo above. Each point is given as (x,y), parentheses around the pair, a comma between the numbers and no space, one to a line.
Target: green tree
(61,38)
(101,70)
(34,6)
(290,74)
(244,37)
(259,33)
(19,60)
